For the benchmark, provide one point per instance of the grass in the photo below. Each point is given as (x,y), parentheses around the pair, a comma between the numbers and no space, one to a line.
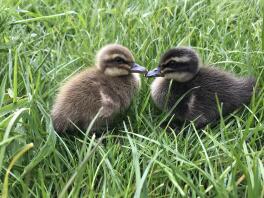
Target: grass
(43,43)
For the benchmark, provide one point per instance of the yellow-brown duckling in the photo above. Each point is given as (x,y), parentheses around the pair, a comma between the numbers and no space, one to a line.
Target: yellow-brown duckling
(109,86)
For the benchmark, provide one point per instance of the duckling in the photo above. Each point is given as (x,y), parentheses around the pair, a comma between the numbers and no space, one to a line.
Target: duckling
(109,86)
(193,93)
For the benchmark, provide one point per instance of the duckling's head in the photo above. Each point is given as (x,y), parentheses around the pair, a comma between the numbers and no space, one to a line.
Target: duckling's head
(117,60)
(180,64)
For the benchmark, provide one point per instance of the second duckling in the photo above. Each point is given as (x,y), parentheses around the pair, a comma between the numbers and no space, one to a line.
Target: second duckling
(110,86)
(192,92)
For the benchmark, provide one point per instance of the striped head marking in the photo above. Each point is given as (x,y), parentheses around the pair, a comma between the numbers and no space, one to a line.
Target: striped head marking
(180,64)
(117,60)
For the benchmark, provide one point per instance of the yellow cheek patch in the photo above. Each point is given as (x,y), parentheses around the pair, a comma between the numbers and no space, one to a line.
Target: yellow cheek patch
(124,66)
(116,71)
(179,76)
(182,59)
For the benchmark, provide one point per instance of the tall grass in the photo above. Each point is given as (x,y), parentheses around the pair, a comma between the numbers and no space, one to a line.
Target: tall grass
(43,43)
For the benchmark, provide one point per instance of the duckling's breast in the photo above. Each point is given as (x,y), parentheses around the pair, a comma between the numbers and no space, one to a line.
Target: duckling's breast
(159,90)
(121,89)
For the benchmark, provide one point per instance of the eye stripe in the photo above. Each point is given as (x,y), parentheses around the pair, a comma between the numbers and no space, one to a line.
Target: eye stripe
(114,62)
(167,70)
(179,67)
(175,66)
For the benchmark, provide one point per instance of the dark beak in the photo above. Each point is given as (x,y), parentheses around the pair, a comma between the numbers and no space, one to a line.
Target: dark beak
(138,69)
(154,73)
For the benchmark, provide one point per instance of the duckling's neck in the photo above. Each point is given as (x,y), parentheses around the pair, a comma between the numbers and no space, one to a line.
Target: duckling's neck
(136,76)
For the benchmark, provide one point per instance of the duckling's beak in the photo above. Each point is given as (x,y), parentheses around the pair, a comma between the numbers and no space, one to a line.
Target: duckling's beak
(135,68)
(154,73)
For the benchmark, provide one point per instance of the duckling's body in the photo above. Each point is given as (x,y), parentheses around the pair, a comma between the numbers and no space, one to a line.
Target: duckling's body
(80,99)
(196,99)
(200,102)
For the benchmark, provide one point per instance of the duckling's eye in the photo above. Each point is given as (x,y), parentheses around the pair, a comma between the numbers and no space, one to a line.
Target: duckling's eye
(172,63)
(119,60)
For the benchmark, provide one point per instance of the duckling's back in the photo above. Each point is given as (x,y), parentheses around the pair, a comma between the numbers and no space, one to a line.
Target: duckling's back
(216,84)
(198,98)
(212,87)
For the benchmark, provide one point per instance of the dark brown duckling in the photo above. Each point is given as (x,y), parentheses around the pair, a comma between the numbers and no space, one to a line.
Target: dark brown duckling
(179,75)
(110,85)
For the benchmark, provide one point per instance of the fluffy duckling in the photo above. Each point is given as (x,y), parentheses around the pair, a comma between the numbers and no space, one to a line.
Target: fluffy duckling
(110,86)
(197,90)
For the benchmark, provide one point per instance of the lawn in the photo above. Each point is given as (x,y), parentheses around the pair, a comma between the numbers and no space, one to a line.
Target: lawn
(43,43)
